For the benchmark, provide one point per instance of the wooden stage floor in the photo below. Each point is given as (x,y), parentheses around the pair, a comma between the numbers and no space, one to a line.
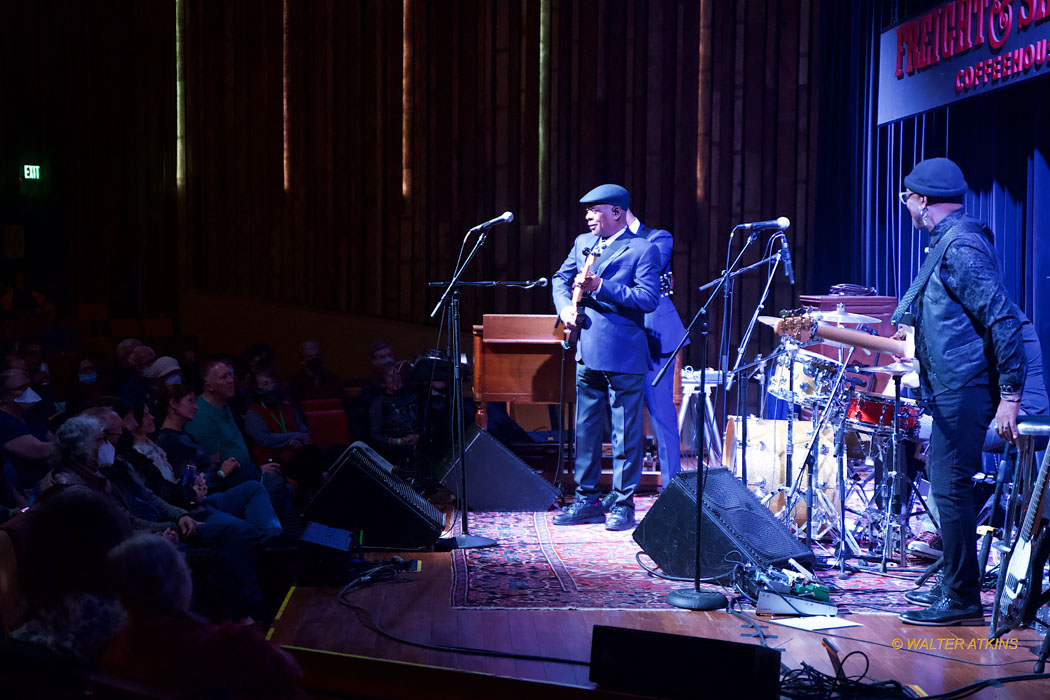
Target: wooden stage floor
(416,606)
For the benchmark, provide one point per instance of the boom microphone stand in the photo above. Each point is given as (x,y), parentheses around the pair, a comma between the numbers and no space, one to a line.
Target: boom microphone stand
(693,598)
(464,540)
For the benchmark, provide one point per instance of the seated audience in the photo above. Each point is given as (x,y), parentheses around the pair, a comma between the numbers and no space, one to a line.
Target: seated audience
(373,387)
(108,473)
(68,535)
(248,501)
(26,442)
(215,431)
(393,420)
(164,644)
(163,371)
(137,386)
(279,435)
(85,386)
(258,357)
(123,371)
(314,381)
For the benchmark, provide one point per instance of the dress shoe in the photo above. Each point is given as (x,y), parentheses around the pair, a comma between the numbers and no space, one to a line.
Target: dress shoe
(925,597)
(609,501)
(620,518)
(944,613)
(580,512)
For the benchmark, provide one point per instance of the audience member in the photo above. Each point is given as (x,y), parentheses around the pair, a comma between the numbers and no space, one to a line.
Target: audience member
(167,645)
(112,474)
(373,387)
(123,371)
(22,301)
(248,501)
(69,534)
(215,431)
(85,385)
(279,435)
(27,444)
(314,381)
(272,423)
(163,371)
(393,420)
(178,404)
(86,461)
(137,387)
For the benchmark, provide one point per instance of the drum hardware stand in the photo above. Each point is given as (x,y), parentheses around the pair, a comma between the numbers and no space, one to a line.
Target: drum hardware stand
(893,476)
(847,545)
(810,463)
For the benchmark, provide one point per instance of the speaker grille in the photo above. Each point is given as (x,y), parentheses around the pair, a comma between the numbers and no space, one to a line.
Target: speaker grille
(736,526)
(363,494)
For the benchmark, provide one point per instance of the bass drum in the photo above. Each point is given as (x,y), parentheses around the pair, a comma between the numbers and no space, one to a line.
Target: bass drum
(767,460)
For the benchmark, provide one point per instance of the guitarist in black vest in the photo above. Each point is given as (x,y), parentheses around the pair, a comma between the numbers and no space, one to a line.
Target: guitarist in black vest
(971,367)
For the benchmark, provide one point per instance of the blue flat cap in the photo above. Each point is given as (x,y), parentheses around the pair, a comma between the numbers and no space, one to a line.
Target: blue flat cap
(608,194)
(936,177)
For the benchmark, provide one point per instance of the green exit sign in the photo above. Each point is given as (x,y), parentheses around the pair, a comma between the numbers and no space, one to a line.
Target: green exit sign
(31,172)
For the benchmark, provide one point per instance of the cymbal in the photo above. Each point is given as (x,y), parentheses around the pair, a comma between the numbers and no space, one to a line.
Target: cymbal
(893,369)
(840,315)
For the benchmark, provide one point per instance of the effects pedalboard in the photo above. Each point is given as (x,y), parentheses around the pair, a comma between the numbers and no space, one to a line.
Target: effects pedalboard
(783,592)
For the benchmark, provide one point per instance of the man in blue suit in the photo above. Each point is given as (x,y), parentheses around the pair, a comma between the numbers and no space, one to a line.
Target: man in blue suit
(612,354)
(665,330)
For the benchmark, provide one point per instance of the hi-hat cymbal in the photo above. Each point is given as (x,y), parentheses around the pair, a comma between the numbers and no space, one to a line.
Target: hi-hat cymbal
(895,368)
(842,316)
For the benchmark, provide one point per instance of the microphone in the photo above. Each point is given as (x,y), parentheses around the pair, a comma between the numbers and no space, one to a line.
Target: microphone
(504,218)
(786,252)
(779,224)
(541,282)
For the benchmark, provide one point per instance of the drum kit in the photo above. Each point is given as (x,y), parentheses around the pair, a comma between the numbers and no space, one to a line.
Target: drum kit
(851,433)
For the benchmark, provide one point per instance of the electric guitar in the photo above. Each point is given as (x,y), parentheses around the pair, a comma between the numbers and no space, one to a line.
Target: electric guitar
(573,334)
(1022,594)
(804,326)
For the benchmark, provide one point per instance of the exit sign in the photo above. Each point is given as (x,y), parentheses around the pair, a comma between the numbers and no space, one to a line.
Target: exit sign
(31,172)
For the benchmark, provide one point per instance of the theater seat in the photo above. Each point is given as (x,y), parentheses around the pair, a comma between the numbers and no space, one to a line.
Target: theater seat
(322,405)
(327,428)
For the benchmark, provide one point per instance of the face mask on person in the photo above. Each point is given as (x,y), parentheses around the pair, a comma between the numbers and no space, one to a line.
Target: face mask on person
(28,397)
(269,396)
(106,454)
(314,364)
(173,379)
(90,378)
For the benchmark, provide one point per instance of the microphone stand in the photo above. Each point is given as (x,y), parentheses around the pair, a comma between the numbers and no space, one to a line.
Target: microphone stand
(523,284)
(727,320)
(693,598)
(464,540)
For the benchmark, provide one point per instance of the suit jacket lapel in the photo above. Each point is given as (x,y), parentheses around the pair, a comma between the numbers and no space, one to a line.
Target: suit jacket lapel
(612,252)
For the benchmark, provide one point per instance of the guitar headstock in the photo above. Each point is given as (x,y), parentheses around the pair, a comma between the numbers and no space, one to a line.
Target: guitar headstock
(797,323)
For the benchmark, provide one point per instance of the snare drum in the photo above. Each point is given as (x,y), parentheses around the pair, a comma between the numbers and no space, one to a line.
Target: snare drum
(873,413)
(814,377)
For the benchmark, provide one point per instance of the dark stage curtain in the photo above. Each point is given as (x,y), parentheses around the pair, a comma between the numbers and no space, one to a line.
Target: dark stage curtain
(997,139)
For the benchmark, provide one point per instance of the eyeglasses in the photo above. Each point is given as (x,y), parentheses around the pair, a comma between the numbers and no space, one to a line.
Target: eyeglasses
(904,196)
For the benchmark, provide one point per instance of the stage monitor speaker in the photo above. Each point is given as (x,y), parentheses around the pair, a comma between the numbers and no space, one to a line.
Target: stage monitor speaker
(657,664)
(362,494)
(496,478)
(737,528)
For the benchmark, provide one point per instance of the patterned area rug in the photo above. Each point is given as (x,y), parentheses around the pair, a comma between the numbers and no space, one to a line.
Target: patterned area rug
(537,565)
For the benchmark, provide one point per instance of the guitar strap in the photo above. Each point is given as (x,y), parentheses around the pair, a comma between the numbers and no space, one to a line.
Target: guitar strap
(932,260)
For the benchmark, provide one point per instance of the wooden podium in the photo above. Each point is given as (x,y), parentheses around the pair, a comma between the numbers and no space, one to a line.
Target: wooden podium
(517,359)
